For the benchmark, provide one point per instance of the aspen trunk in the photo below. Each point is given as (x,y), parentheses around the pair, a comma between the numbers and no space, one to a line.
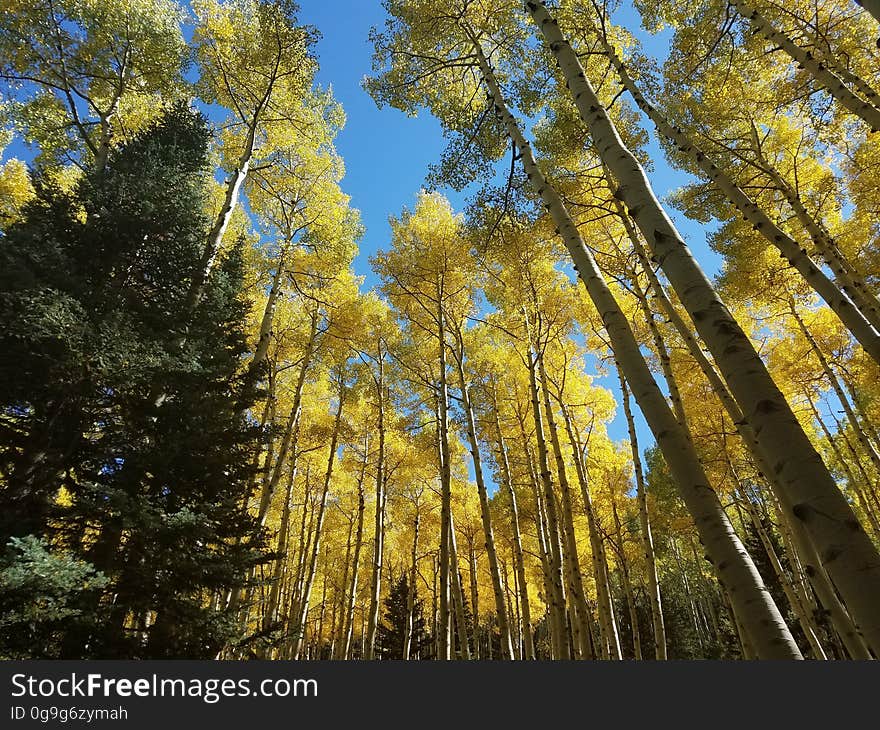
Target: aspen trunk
(850,557)
(580,618)
(348,618)
(857,485)
(852,282)
(836,386)
(269,614)
(303,603)
(866,422)
(748,652)
(305,549)
(340,596)
(614,649)
(557,596)
(264,336)
(411,592)
(230,201)
(627,584)
(485,514)
(840,301)
(645,524)
(802,612)
(444,637)
(457,594)
(818,577)
(292,429)
(518,558)
(512,596)
(828,80)
(475,602)
(543,549)
(824,591)
(730,559)
(607,634)
(663,356)
(379,531)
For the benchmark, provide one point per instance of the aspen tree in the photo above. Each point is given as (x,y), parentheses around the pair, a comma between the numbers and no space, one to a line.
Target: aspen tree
(827,79)
(848,554)
(645,524)
(518,557)
(702,500)
(257,62)
(302,601)
(100,72)
(860,321)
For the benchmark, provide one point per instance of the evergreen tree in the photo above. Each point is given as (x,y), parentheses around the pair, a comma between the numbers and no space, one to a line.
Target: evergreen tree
(391,632)
(147,490)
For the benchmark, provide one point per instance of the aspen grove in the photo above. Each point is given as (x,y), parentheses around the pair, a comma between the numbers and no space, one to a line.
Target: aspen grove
(574,415)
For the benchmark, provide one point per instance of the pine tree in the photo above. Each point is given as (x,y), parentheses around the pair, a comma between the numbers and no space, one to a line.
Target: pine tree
(392,628)
(92,301)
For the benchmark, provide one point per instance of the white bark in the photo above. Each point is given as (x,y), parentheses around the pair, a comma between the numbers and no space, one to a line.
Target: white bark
(732,563)
(840,301)
(645,523)
(485,515)
(518,558)
(850,557)
(826,78)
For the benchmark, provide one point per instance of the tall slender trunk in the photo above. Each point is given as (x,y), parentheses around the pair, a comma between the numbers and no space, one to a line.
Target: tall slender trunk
(512,596)
(627,583)
(291,431)
(867,110)
(340,597)
(608,638)
(851,281)
(852,481)
(475,600)
(824,591)
(745,643)
(485,514)
(230,199)
(816,572)
(518,558)
(543,549)
(859,406)
(581,621)
(556,599)
(457,591)
(855,319)
(379,531)
(264,337)
(802,612)
(348,619)
(850,557)
(270,612)
(443,637)
(303,603)
(836,386)
(731,561)
(411,588)
(645,524)
(663,356)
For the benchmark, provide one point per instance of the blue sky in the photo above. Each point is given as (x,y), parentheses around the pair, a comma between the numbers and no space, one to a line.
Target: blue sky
(387,153)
